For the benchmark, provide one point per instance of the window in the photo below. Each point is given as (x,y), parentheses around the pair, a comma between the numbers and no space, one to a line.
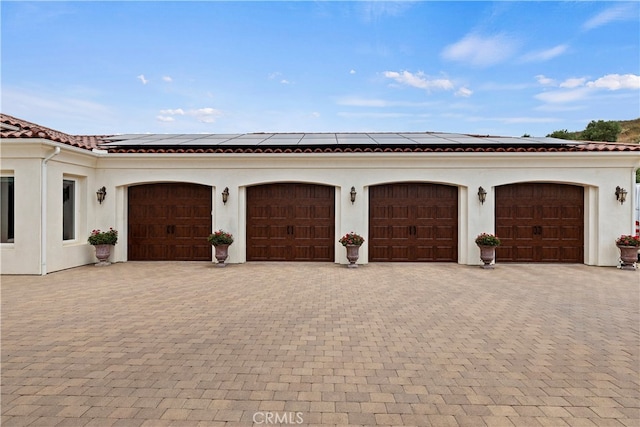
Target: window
(7,203)
(68,209)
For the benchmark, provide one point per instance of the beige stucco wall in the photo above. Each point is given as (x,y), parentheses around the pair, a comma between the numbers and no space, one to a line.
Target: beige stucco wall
(599,173)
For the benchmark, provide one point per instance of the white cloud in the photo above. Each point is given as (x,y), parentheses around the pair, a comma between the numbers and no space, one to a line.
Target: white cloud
(464,92)
(285,82)
(354,101)
(142,79)
(560,96)
(616,82)
(418,80)
(204,115)
(481,51)
(167,79)
(545,81)
(545,55)
(578,89)
(616,13)
(177,111)
(352,71)
(573,82)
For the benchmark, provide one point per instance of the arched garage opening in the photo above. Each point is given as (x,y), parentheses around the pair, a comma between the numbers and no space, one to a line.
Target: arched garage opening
(413,221)
(169,222)
(290,222)
(540,222)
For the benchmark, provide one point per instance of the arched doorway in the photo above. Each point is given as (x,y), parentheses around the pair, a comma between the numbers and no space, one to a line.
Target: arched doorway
(540,222)
(290,222)
(413,222)
(169,222)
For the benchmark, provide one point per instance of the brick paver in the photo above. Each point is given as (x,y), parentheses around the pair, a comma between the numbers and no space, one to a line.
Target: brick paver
(188,344)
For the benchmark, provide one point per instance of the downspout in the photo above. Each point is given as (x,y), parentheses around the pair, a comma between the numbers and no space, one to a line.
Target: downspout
(43,213)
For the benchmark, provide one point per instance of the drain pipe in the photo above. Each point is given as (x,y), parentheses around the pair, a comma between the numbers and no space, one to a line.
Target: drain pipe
(43,212)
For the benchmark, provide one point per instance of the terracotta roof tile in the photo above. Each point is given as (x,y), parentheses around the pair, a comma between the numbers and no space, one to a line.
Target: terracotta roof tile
(31,130)
(18,128)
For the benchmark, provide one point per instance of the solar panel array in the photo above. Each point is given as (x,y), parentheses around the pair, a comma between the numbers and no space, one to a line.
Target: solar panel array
(320,139)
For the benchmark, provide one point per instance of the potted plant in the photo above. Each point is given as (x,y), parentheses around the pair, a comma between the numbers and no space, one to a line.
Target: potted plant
(487,244)
(102,241)
(221,241)
(628,245)
(352,241)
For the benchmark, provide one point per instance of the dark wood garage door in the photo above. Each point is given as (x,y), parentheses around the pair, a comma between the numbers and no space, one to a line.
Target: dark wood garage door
(413,222)
(539,222)
(169,222)
(290,222)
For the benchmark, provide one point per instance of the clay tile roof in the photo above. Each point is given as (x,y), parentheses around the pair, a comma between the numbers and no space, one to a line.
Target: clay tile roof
(12,127)
(19,129)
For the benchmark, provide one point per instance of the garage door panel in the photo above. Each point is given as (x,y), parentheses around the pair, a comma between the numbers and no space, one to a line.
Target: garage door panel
(169,221)
(399,232)
(540,222)
(523,212)
(425,253)
(426,212)
(400,212)
(300,220)
(444,213)
(322,212)
(323,232)
(420,217)
(524,232)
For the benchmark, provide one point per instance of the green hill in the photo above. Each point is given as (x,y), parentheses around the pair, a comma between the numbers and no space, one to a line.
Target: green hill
(629,133)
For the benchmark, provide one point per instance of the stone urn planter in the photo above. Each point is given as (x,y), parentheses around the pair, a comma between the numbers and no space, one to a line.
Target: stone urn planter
(487,244)
(353,253)
(628,256)
(103,252)
(221,241)
(222,253)
(103,241)
(352,242)
(628,245)
(487,255)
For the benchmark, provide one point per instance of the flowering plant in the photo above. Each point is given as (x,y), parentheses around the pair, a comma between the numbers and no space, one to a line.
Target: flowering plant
(98,237)
(628,240)
(485,239)
(351,239)
(220,238)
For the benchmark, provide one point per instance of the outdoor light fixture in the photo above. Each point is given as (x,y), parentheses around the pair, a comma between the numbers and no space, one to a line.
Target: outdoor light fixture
(621,194)
(101,194)
(353,194)
(482,195)
(225,195)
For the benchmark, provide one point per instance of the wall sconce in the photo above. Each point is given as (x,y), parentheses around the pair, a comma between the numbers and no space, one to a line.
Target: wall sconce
(353,194)
(621,194)
(225,195)
(482,195)
(101,194)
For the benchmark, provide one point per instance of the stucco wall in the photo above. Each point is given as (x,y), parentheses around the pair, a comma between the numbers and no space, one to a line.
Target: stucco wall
(598,173)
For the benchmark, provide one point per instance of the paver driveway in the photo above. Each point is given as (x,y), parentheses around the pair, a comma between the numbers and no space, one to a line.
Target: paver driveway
(302,343)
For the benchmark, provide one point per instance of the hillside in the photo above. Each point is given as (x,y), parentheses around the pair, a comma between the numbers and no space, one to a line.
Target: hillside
(630,131)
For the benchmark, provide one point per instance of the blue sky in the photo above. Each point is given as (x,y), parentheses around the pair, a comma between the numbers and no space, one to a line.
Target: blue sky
(501,68)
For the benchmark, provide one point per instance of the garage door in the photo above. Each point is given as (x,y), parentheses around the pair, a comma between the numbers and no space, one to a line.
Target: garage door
(539,222)
(169,222)
(413,222)
(290,222)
